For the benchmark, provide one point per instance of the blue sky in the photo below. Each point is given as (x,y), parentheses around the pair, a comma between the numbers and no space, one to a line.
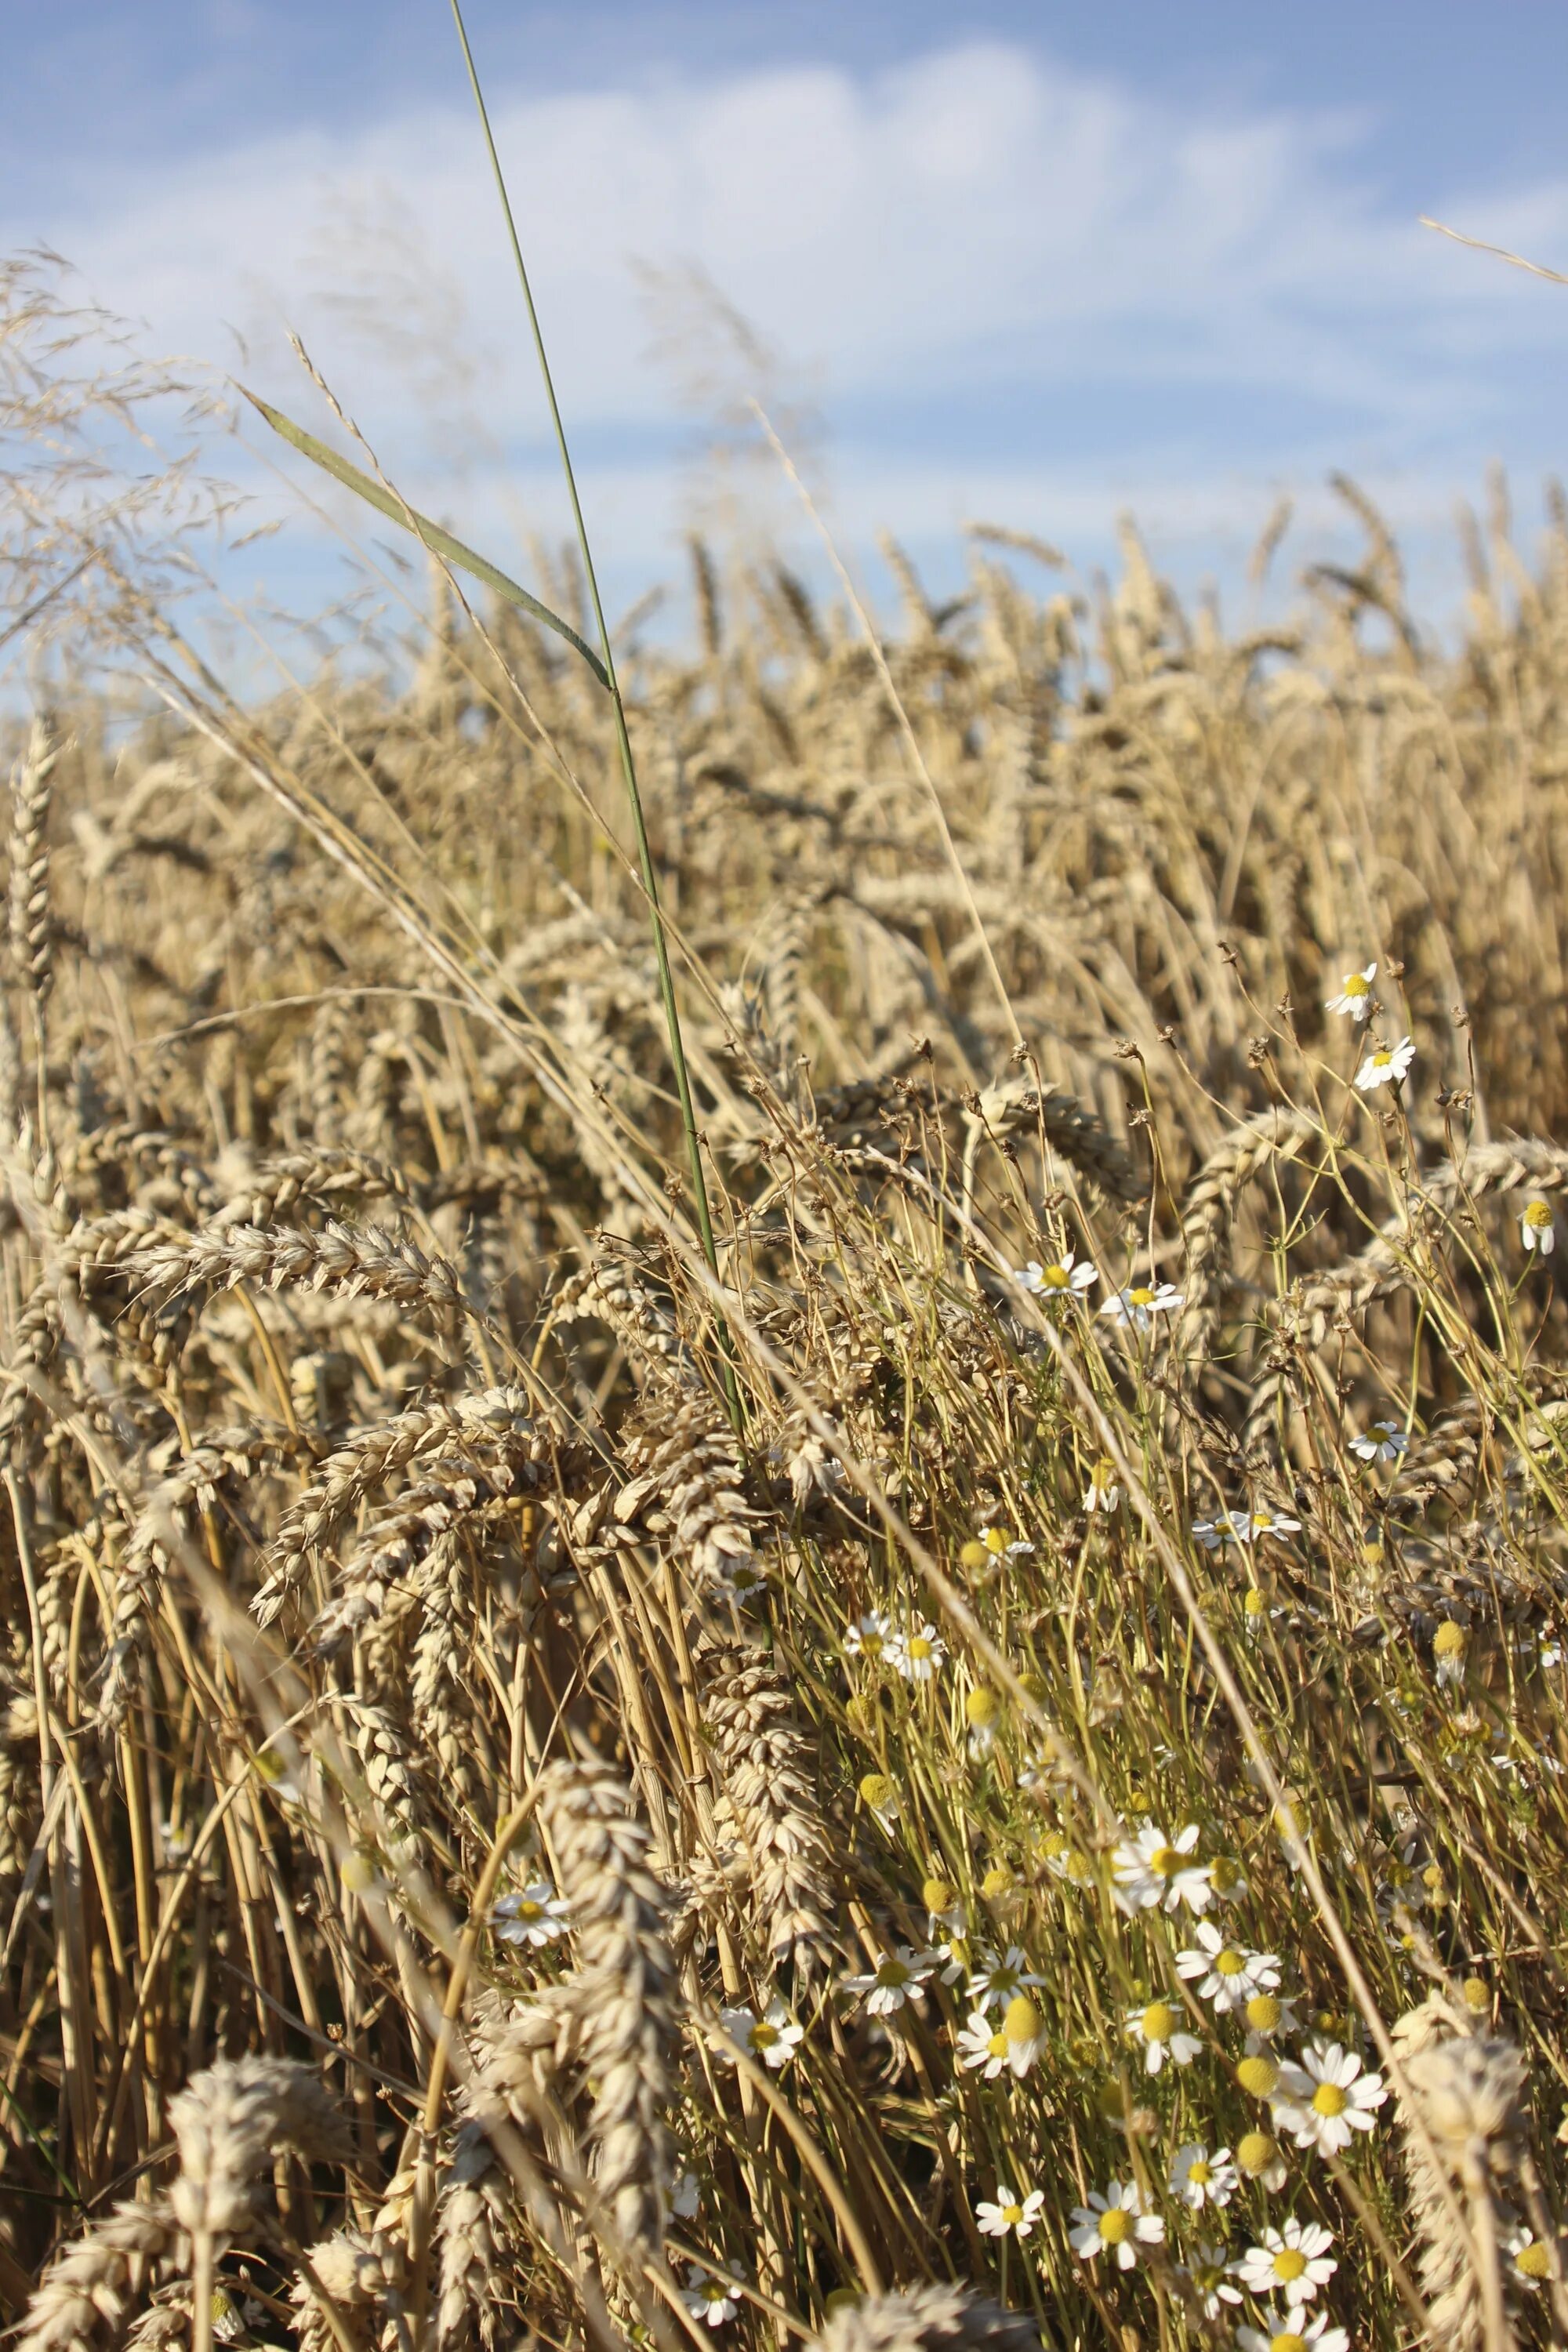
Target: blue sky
(1034,265)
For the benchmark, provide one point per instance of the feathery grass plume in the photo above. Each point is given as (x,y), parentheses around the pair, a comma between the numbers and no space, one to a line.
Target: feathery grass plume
(1463,2133)
(772,1840)
(625,1990)
(87,2296)
(934,2317)
(32,795)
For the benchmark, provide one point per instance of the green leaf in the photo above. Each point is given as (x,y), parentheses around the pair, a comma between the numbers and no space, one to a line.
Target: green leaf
(441,542)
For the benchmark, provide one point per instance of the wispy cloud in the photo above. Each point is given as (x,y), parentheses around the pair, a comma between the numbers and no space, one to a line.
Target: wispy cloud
(946,251)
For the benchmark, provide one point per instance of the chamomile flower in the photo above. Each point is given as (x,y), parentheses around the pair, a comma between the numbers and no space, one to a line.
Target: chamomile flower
(1156,2027)
(895,1980)
(1328,2098)
(1023,2031)
(1538,1227)
(880,1795)
(741,1578)
(1267,2015)
(1199,2179)
(1114,2224)
(1154,1872)
(982,1714)
(1011,2045)
(1137,1306)
(1294,2262)
(918,1654)
(685,2196)
(1227,1974)
(532,1916)
(772,2037)
(1103,1491)
(1010,2215)
(869,1636)
(1293,2332)
(1258,1611)
(1064,1860)
(1383,1442)
(1066,1279)
(273,1774)
(1206,2275)
(1001,1543)
(711,2299)
(1257,2156)
(1385,1065)
(1001,1978)
(982,2045)
(1450,1644)
(944,1908)
(1243,1528)
(1529,2259)
(1356,993)
(179,1837)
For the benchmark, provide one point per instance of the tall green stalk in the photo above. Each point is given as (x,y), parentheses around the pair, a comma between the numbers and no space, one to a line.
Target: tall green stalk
(623,740)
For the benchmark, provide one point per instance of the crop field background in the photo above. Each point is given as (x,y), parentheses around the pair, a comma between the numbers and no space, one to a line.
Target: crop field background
(987,1764)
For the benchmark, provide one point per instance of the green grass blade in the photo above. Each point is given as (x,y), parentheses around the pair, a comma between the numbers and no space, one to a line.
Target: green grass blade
(441,543)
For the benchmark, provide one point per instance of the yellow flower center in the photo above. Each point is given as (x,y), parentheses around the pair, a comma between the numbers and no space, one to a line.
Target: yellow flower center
(1200,2173)
(1381,1058)
(1022,2022)
(1255,2153)
(983,1707)
(1056,1277)
(1356,985)
(1257,2076)
(1534,2261)
(876,1790)
(891,1974)
(1537,1214)
(1230,1962)
(939,1894)
(994,1538)
(997,2046)
(1263,2013)
(1115,2228)
(1254,1605)
(1140,1297)
(1222,1874)
(1289,2264)
(1449,1640)
(1166,1860)
(995,1885)
(1287,2342)
(1327,2099)
(919,1646)
(1158,2022)
(763,2035)
(1012,2215)
(871,1644)
(526,1910)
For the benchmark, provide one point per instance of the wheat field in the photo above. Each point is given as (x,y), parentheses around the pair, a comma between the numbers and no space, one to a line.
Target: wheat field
(992,1772)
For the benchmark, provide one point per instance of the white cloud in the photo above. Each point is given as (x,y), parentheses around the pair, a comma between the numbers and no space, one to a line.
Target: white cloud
(980,222)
